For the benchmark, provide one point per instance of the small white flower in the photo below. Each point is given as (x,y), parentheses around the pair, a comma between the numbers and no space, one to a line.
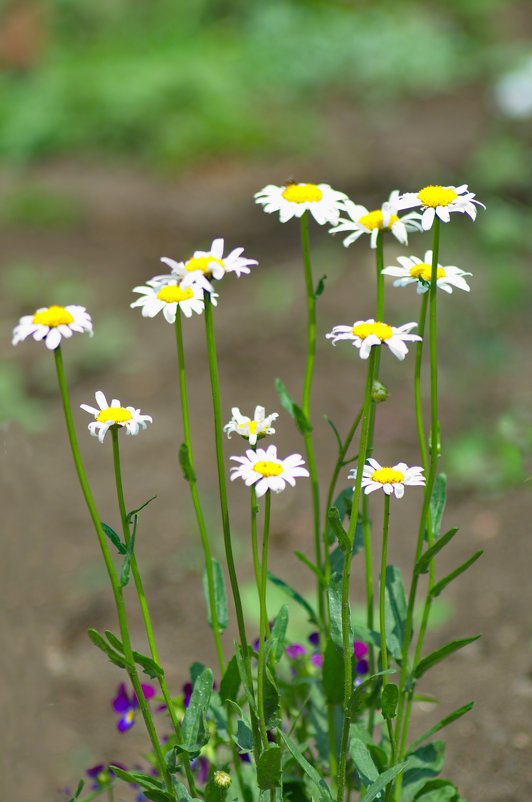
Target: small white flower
(252,429)
(51,324)
(412,270)
(441,201)
(266,471)
(166,297)
(292,200)
(390,480)
(362,221)
(114,415)
(211,264)
(364,334)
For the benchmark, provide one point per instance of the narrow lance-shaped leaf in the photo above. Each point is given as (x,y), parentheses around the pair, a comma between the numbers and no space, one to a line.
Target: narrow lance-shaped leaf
(131,514)
(375,789)
(389,699)
(186,464)
(422,565)
(101,643)
(443,723)
(278,633)
(114,538)
(284,397)
(193,722)
(220,597)
(312,617)
(438,655)
(323,792)
(335,523)
(395,611)
(439,586)
(124,576)
(335,611)
(437,503)
(319,287)
(230,682)
(333,674)
(302,422)
(269,768)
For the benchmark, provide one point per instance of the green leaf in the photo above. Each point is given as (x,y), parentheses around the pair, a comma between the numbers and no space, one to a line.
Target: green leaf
(244,679)
(115,642)
(146,781)
(335,524)
(244,735)
(156,795)
(376,788)
(230,682)
(424,762)
(193,726)
(279,632)
(437,503)
(124,576)
(320,287)
(132,514)
(438,790)
(443,723)
(302,422)
(186,464)
(148,665)
(333,674)
(78,791)
(315,570)
(336,434)
(114,538)
(335,610)
(323,792)
(269,768)
(271,700)
(312,617)
(101,643)
(364,765)
(394,611)
(440,654)
(439,586)
(360,691)
(389,699)
(284,397)
(422,565)
(220,597)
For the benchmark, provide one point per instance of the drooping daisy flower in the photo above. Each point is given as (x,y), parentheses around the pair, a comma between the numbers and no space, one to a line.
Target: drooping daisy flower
(114,415)
(166,297)
(292,199)
(126,705)
(364,334)
(415,271)
(362,221)
(51,324)
(266,471)
(211,264)
(252,429)
(441,201)
(390,480)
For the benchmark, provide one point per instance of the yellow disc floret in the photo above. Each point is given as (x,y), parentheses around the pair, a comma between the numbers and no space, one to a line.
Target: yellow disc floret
(302,193)
(115,414)
(53,316)
(252,426)
(374,219)
(437,196)
(382,330)
(268,468)
(174,294)
(387,476)
(202,263)
(424,271)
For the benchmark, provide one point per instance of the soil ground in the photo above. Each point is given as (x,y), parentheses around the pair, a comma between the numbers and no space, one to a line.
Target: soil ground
(56,689)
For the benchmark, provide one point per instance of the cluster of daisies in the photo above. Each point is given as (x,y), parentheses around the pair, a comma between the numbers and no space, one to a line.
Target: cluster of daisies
(185,285)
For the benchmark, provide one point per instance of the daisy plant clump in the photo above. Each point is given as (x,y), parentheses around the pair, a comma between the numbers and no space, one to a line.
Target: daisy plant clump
(329,720)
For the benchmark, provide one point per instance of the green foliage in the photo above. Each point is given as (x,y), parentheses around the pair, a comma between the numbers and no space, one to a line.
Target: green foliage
(220,596)
(394,611)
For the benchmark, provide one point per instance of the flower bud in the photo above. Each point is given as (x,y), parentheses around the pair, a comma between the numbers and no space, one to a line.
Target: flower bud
(378,391)
(222,779)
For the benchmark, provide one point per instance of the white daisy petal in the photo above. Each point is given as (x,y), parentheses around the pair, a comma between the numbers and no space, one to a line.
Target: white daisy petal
(266,471)
(292,200)
(251,429)
(441,201)
(414,271)
(51,323)
(106,416)
(364,334)
(389,480)
(362,221)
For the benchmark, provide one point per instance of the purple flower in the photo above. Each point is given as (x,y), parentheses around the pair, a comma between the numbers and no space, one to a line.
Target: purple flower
(362,667)
(125,705)
(314,638)
(295,650)
(201,765)
(360,649)
(317,660)
(187,693)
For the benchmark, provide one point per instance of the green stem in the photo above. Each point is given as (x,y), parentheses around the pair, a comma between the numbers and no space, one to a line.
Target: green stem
(117,590)
(194,492)
(417,381)
(401,728)
(382,588)
(347,646)
(305,405)
(263,627)
(144,605)
(379,257)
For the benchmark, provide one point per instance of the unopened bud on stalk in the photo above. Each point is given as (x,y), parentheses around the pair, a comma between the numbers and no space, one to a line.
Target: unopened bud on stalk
(378,391)
(222,779)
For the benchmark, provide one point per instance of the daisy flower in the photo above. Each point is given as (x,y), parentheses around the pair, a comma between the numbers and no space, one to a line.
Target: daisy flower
(209,264)
(252,429)
(415,271)
(51,324)
(166,297)
(441,201)
(362,221)
(266,471)
(292,199)
(390,480)
(114,415)
(364,334)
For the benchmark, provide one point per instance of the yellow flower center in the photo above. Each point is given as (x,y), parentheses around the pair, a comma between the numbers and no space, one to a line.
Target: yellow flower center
(268,468)
(53,316)
(252,426)
(437,196)
(424,271)
(387,476)
(116,414)
(174,294)
(374,220)
(202,263)
(382,330)
(302,193)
